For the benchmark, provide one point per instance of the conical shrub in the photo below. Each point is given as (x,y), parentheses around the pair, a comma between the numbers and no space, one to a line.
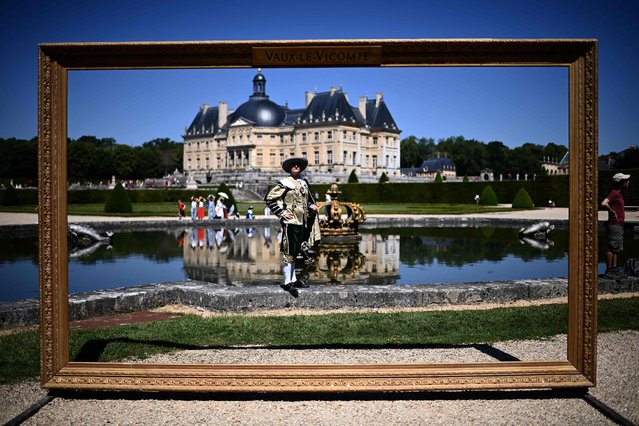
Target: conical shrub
(352,178)
(118,201)
(488,197)
(522,200)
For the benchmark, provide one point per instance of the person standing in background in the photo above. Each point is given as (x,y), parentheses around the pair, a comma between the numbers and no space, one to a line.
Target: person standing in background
(181,208)
(210,205)
(193,208)
(615,205)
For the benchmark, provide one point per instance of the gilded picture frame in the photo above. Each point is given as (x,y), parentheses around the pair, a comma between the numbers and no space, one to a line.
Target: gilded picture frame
(578,370)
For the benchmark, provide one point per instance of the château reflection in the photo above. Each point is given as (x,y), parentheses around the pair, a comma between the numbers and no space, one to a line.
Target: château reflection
(245,256)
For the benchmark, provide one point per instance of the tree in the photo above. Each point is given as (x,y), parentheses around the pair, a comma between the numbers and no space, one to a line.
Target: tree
(498,157)
(438,178)
(415,151)
(468,155)
(19,158)
(383,178)
(123,161)
(554,152)
(352,178)
(627,159)
(169,154)
(408,149)
(80,157)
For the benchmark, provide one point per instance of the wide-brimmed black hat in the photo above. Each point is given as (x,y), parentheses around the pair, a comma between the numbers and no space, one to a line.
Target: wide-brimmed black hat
(288,163)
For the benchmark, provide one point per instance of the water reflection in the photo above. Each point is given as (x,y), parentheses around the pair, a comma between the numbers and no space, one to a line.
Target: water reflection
(250,255)
(245,256)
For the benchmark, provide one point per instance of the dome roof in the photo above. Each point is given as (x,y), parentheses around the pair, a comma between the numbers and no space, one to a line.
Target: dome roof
(259,109)
(262,112)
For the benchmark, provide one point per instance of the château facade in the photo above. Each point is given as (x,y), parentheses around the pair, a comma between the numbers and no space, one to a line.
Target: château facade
(334,136)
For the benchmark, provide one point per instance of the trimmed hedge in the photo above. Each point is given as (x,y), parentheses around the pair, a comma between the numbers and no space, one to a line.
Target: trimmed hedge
(488,197)
(541,190)
(522,200)
(118,201)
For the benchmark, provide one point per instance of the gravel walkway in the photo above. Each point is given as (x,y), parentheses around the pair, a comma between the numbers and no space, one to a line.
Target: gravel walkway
(618,387)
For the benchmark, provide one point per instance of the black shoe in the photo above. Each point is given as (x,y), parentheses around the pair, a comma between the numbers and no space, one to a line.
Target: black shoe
(290,289)
(300,284)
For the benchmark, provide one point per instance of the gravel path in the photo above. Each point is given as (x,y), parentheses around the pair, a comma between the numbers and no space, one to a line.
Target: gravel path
(618,387)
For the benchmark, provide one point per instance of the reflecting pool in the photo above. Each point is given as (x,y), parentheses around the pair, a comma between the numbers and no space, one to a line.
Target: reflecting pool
(250,255)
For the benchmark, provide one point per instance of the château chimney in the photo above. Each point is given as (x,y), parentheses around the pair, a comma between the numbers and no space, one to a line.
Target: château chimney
(309,98)
(222,112)
(362,105)
(378,97)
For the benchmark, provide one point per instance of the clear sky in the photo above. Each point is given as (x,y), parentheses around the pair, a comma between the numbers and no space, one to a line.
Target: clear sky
(513,105)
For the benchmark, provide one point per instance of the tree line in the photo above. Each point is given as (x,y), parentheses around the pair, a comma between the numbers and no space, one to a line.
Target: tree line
(92,158)
(95,158)
(471,156)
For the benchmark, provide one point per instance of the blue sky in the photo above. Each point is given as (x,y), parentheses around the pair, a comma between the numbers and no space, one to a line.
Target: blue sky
(513,105)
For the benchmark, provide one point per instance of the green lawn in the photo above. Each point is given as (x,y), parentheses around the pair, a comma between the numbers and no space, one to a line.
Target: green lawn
(20,352)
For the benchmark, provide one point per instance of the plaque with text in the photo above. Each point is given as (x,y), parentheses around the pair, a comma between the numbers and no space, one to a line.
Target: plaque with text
(318,56)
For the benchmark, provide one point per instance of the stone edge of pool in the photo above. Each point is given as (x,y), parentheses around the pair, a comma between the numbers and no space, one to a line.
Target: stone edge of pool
(231,299)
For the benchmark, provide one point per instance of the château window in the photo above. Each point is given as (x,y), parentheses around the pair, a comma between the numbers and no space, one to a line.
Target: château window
(374,160)
(303,137)
(317,159)
(329,157)
(316,136)
(329,135)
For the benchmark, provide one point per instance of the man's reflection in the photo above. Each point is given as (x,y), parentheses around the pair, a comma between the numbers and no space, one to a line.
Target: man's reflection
(241,256)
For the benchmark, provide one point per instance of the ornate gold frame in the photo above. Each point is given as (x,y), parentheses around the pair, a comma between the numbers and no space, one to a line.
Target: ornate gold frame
(578,371)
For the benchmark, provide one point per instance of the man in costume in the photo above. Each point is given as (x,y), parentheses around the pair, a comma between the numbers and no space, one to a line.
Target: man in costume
(291,201)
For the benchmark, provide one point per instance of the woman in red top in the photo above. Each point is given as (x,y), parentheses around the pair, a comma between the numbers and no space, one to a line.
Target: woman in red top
(614,203)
